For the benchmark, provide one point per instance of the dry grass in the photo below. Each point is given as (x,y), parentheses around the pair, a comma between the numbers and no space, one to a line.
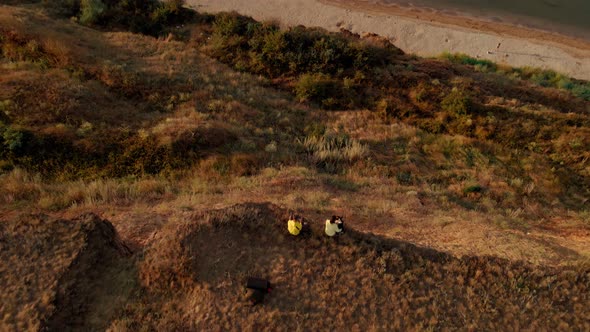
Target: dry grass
(333,151)
(151,131)
(201,267)
(45,261)
(192,273)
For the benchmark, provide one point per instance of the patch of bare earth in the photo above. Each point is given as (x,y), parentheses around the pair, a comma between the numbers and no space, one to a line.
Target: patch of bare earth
(61,273)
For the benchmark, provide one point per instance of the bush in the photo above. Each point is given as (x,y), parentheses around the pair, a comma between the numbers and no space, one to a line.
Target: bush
(457,103)
(91,11)
(150,17)
(169,12)
(319,88)
(331,68)
(464,59)
(582,91)
(16,140)
(405,178)
(473,189)
(263,47)
(230,24)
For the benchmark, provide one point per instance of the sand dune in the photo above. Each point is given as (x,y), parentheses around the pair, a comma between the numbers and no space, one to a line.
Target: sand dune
(428,36)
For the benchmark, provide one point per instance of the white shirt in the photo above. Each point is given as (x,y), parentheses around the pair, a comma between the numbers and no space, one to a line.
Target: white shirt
(332,229)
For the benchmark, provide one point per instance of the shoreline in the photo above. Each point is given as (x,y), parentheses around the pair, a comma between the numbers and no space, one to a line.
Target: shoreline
(462,19)
(424,32)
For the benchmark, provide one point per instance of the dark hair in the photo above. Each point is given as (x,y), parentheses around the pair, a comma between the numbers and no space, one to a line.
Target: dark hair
(333,219)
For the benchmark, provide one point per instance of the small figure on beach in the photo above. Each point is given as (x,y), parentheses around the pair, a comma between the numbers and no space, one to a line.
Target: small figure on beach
(334,226)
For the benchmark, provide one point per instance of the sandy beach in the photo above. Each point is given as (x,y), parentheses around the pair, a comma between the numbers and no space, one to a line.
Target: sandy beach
(423,31)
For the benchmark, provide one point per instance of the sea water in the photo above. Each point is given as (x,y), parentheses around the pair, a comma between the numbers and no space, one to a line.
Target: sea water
(570,17)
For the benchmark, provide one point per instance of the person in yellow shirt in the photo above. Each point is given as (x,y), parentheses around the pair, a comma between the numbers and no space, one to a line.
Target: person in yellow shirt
(294,224)
(297,225)
(334,226)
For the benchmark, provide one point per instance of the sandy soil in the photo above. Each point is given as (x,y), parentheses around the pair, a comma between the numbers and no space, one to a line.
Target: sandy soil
(423,31)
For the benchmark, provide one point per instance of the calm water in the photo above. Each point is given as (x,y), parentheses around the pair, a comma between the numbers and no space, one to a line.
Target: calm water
(571,17)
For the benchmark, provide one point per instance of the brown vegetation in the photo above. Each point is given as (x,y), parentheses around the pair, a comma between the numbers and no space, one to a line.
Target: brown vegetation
(465,157)
(54,272)
(192,276)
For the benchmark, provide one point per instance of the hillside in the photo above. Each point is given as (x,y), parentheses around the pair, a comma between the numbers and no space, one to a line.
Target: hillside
(192,277)
(55,271)
(364,282)
(155,121)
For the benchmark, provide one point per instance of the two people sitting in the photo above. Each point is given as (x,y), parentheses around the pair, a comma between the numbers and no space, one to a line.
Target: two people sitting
(297,225)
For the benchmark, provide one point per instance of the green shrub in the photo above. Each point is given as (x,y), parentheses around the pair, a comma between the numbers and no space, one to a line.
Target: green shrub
(331,68)
(320,88)
(174,6)
(457,103)
(541,77)
(169,12)
(91,11)
(464,59)
(405,178)
(231,24)
(16,140)
(150,17)
(582,90)
(269,55)
(473,189)
(264,48)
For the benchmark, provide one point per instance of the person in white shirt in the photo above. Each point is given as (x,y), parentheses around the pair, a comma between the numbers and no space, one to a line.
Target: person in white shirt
(334,226)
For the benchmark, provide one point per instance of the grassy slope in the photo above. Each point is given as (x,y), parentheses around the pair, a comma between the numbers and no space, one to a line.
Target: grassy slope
(187,133)
(191,277)
(124,104)
(55,271)
(362,282)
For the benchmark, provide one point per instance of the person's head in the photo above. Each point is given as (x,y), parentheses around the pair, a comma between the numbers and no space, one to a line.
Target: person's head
(332,219)
(298,217)
(339,219)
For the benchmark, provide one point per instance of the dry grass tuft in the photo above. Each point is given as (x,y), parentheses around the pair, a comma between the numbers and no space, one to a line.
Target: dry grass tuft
(331,151)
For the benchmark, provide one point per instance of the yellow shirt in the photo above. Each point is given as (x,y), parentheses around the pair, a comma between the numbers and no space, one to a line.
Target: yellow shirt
(331,229)
(294,227)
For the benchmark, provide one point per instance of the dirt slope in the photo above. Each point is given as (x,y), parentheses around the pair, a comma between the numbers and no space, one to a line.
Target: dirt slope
(194,275)
(54,271)
(77,275)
